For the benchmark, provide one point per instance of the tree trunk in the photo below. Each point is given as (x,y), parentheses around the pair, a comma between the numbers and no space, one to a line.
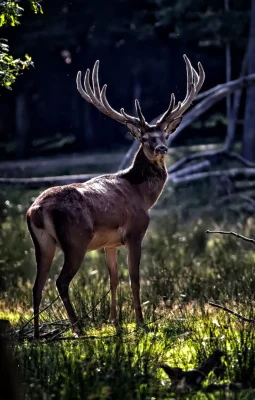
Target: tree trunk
(248,149)
(228,75)
(22,127)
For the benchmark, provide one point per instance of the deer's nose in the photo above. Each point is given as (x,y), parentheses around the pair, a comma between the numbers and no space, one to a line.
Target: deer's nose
(161,149)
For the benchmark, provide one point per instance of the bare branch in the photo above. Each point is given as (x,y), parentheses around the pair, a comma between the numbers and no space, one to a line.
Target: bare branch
(37,183)
(210,154)
(238,173)
(209,101)
(78,320)
(213,95)
(44,309)
(192,157)
(232,84)
(233,234)
(231,312)
(191,170)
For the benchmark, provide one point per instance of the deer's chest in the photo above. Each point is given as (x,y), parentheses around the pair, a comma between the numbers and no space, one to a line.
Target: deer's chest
(106,238)
(151,191)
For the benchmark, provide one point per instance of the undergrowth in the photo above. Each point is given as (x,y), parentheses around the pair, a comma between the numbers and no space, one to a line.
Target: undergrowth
(182,269)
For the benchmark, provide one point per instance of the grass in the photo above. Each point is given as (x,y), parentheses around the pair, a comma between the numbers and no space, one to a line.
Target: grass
(182,269)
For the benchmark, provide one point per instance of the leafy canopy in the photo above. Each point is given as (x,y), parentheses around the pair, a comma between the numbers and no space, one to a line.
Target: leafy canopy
(10,67)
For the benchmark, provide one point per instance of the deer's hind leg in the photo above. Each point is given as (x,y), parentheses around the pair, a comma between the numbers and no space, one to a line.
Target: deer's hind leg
(45,246)
(111,260)
(74,238)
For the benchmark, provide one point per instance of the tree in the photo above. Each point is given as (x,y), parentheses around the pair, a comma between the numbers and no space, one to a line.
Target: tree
(249,116)
(10,67)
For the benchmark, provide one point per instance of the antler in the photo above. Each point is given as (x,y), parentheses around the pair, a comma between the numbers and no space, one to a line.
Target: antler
(194,84)
(98,98)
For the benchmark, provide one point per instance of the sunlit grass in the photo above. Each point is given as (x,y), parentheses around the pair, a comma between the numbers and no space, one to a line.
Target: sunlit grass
(126,361)
(182,269)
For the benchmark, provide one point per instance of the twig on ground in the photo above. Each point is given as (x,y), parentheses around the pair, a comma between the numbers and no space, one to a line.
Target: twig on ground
(40,312)
(79,319)
(231,312)
(233,234)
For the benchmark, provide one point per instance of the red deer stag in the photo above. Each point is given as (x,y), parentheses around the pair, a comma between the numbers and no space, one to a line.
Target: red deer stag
(108,211)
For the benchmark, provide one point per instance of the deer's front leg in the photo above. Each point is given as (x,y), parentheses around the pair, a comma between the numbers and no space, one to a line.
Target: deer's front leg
(134,256)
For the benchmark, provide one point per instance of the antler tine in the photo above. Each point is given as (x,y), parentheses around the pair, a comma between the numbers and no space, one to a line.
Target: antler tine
(201,77)
(185,105)
(80,88)
(98,98)
(95,81)
(139,112)
(169,110)
(190,75)
(190,83)
(91,94)
(129,118)
(109,110)
(195,77)
(180,106)
(194,83)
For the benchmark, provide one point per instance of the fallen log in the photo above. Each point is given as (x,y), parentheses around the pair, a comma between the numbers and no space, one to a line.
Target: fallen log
(233,173)
(37,183)
(62,164)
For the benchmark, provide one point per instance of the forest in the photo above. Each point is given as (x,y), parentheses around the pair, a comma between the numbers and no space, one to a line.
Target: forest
(196,339)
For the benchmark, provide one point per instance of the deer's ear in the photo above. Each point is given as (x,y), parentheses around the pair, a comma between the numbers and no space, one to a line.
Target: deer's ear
(173,125)
(136,132)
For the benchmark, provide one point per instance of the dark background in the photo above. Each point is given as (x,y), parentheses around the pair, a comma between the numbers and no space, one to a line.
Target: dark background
(140,46)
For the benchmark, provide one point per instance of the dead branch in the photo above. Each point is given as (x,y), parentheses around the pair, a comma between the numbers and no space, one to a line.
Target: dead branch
(203,165)
(193,378)
(211,154)
(84,316)
(37,183)
(210,97)
(31,319)
(231,311)
(234,173)
(45,165)
(192,157)
(230,198)
(209,101)
(233,234)
(241,81)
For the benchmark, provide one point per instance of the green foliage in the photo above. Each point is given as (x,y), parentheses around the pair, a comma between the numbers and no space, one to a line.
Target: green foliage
(205,23)
(10,67)
(182,268)
(10,11)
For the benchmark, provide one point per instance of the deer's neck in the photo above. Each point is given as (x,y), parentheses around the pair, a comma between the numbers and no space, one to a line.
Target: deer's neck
(149,177)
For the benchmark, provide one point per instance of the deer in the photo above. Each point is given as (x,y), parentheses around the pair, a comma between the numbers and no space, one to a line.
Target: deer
(108,211)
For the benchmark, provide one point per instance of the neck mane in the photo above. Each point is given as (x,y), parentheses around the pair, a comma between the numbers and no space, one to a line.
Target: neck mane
(149,177)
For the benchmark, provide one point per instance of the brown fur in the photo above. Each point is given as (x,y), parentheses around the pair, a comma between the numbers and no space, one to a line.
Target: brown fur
(108,211)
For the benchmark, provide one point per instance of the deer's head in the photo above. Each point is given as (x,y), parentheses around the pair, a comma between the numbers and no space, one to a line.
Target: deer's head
(152,137)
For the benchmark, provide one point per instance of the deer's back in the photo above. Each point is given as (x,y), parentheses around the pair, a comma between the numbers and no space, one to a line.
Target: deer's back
(104,205)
